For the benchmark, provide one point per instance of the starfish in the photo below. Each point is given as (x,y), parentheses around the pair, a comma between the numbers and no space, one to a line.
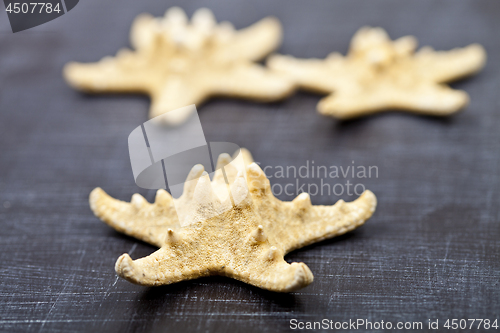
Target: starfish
(379,74)
(180,63)
(246,240)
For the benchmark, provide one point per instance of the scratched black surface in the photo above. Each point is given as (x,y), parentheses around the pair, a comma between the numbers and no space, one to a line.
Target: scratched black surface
(430,251)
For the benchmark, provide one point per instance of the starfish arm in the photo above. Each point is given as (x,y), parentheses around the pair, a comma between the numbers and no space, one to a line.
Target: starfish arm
(445,66)
(175,93)
(310,224)
(253,82)
(106,75)
(139,219)
(278,276)
(162,267)
(254,42)
(305,223)
(430,99)
(167,266)
(311,74)
(346,104)
(422,98)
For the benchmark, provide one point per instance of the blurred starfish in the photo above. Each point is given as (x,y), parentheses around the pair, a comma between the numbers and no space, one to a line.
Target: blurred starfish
(244,238)
(379,74)
(179,63)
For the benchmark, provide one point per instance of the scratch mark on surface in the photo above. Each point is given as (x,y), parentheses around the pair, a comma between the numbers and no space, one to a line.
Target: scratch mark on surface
(108,290)
(66,283)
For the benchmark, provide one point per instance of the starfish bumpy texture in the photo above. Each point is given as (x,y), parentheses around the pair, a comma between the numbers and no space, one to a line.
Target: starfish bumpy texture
(379,74)
(246,240)
(179,63)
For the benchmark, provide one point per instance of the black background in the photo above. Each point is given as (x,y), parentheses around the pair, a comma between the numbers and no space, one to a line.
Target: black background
(431,251)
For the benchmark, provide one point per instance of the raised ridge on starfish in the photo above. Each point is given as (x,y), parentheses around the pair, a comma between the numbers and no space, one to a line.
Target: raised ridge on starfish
(246,240)
(179,63)
(379,74)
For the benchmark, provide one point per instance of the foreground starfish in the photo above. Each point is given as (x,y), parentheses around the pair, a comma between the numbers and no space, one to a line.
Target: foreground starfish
(246,241)
(180,63)
(379,74)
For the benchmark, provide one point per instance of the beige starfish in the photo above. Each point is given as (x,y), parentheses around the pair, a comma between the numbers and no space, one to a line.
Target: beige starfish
(180,63)
(246,240)
(379,74)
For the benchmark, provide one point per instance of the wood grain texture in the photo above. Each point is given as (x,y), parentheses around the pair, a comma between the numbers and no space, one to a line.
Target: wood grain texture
(430,251)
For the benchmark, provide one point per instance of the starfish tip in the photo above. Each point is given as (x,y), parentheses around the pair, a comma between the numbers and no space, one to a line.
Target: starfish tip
(302,277)
(124,267)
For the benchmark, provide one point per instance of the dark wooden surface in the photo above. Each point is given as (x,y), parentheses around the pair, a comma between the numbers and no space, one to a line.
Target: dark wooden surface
(431,251)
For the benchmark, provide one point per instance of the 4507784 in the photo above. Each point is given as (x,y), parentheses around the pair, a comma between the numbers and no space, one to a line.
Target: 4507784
(455,324)
(32,8)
